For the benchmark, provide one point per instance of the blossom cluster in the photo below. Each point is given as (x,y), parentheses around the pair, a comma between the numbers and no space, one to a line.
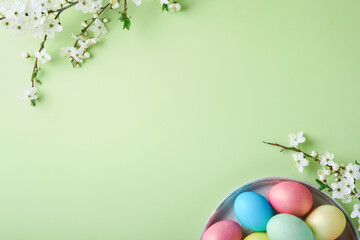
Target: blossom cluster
(41,19)
(338,179)
(32,17)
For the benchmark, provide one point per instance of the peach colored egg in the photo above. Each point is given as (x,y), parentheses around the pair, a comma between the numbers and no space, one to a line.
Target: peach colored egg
(327,222)
(291,198)
(223,230)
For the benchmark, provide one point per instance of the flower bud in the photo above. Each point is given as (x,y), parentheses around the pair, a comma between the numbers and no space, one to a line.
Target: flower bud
(25,55)
(105,20)
(87,54)
(84,24)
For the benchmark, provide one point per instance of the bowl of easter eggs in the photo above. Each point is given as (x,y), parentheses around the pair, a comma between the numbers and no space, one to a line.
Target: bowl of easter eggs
(279,208)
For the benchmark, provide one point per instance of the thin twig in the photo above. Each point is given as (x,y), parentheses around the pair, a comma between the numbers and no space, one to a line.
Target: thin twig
(64,8)
(125,6)
(288,148)
(58,10)
(36,67)
(92,21)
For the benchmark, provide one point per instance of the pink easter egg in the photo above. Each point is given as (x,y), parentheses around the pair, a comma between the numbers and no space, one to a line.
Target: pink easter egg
(223,230)
(291,198)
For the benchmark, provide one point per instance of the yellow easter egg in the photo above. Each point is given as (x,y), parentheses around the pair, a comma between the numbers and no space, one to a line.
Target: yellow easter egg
(327,222)
(257,236)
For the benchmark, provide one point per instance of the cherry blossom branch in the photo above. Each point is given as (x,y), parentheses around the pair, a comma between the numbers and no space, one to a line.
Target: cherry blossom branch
(43,20)
(92,21)
(42,45)
(346,177)
(36,68)
(64,8)
(290,148)
(58,10)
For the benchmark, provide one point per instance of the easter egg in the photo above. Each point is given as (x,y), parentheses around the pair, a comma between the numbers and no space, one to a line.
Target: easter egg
(257,236)
(223,230)
(288,227)
(327,222)
(290,197)
(253,210)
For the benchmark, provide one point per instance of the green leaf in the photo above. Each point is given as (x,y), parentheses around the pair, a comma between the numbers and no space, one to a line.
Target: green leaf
(122,17)
(32,102)
(319,182)
(165,7)
(125,20)
(322,185)
(127,24)
(356,162)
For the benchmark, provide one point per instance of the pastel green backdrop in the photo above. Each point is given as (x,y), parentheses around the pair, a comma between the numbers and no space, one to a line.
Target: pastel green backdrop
(146,138)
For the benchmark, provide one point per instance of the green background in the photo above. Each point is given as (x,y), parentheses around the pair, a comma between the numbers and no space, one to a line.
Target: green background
(146,138)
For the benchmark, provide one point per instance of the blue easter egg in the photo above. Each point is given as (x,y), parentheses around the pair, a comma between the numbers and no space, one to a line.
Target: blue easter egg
(253,211)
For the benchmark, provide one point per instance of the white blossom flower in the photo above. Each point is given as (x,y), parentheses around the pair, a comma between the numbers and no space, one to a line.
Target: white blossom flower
(294,138)
(89,6)
(29,95)
(314,154)
(37,18)
(77,54)
(42,56)
(19,29)
(114,4)
(356,212)
(327,159)
(335,166)
(352,171)
(323,173)
(52,26)
(98,28)
(299,161)
(339,190)
(88,42)
(16,10)
(6,23)
(175,7)
(347,198)
(137,2)
(66,51)
(348,183)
